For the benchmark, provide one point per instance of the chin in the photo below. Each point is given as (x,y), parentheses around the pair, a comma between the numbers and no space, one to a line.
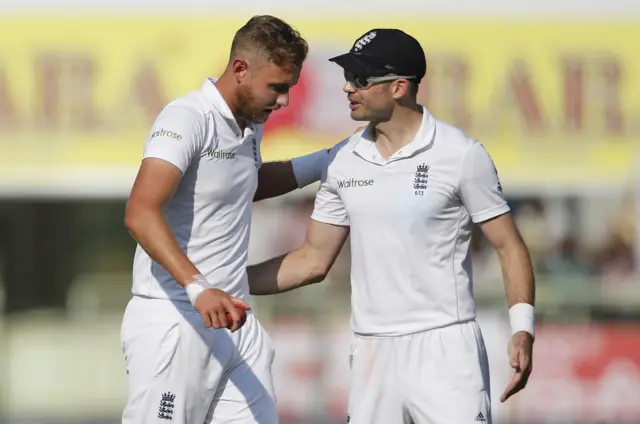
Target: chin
(358,116)
(260,118)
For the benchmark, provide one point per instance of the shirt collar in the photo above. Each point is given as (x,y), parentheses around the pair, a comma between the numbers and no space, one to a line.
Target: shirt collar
(213,97)
(366,148)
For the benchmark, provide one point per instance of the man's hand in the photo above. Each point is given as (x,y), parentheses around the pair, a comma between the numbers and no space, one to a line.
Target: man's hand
(520,357)
(214,305)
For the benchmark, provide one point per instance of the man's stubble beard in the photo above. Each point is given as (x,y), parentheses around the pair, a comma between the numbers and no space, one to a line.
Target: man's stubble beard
(246,106)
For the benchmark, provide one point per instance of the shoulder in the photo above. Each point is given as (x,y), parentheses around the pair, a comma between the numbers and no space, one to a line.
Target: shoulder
(343,151)
(191,103)
(453,138)
(458,148)
(344,148)
(191,107)
(186,117)
(339,155)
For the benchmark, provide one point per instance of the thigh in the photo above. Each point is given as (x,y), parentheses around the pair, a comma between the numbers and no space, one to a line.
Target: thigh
(449,377)
(246,395)
(172,373)
(376,392)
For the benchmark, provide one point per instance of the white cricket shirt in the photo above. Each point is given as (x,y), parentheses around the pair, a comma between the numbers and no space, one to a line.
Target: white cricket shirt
(410,221)
(210,212)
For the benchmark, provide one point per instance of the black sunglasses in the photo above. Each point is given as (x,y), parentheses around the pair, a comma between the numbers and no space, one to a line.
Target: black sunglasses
(362,82)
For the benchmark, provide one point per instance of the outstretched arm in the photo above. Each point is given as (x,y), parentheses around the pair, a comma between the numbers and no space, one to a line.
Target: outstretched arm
(306,265)
(326,234)
(281,177)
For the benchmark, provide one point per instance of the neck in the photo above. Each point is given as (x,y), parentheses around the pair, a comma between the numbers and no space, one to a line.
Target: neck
(226,87)
(399,130)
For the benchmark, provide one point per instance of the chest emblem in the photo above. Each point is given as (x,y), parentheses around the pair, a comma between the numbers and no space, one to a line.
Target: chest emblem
(420,180)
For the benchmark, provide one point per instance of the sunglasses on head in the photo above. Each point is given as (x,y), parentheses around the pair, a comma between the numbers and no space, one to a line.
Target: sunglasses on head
(363,82)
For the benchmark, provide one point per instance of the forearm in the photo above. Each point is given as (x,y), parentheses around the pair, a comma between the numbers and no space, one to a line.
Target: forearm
(275,179)
(285,273)
(517,272)
(152,232)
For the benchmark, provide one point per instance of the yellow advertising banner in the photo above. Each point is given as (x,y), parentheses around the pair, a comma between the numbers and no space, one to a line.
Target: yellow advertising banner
(557,104)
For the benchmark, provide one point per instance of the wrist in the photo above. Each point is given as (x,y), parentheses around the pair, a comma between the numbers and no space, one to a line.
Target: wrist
(196,287)
(308,169)
(522,318)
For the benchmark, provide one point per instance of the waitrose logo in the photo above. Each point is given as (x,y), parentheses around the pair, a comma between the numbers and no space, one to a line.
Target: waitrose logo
(354,183)
(220,154)
(165,133)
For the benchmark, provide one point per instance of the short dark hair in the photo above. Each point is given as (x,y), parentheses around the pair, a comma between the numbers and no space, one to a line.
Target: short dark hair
(272,37)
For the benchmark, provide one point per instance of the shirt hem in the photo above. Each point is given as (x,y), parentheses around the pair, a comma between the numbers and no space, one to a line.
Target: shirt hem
(164,158)
(410,333)
(328,220)
(490,213)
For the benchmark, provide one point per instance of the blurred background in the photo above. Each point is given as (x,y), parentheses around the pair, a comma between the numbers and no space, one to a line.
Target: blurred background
(551,88)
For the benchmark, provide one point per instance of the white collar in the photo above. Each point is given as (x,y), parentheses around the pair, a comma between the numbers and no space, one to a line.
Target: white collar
(366,148)
(214,97)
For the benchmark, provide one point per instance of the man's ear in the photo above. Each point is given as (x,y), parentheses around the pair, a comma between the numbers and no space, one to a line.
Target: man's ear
(240,68)
(400,88)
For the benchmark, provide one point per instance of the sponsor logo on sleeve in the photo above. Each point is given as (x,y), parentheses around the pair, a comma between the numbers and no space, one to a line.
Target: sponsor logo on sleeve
(165,133)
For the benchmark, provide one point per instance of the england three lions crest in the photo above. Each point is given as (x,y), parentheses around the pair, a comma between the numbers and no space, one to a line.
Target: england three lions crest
(167,405)
(420,180)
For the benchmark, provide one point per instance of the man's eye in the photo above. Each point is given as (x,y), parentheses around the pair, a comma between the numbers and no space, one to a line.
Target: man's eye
(280,88)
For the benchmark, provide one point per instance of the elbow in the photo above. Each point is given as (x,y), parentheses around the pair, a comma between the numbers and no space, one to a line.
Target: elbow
(131,224)
(319,272)
(130,218)
(316,278)
(133,219)
(318,263)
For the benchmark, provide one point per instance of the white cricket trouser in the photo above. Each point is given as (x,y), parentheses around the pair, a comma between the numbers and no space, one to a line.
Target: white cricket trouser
(439,376)
(181,372)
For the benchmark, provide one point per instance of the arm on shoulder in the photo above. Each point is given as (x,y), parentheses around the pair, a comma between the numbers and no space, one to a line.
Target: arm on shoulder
(275,179)
(281,177)
(305,265)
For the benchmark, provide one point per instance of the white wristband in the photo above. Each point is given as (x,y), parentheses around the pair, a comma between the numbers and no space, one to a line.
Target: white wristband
(195,288)
(308,169)
(522,318)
